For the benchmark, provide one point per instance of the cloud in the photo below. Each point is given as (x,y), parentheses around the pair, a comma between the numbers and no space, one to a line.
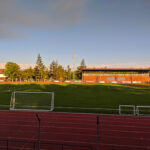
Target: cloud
(45,14)
(8,33)
(115,65)
(22,66)
(4,33)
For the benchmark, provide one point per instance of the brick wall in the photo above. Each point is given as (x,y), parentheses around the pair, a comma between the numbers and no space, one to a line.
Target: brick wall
(116,79)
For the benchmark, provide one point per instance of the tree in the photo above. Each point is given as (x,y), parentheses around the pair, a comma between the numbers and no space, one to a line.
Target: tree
(37,74)
(78,72)
(12,70)
(40,68)
(46,74)
(28,74)
(39,62)
(82,65)
(57,72)
(68,73)
(61,73)
(53,70)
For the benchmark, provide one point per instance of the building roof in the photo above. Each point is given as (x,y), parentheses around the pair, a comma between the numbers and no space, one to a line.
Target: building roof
(116,69)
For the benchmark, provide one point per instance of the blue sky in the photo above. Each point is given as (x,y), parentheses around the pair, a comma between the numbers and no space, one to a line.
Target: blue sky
(100,31)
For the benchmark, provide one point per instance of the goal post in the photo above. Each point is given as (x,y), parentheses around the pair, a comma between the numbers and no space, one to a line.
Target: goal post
(127,110)
(32,101)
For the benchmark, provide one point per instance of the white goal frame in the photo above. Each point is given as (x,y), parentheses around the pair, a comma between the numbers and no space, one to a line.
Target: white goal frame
(127,106)
(12,101)
(138,111)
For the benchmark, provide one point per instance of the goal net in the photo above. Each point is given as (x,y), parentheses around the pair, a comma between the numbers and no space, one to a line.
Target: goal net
(32,101)
(142,110)
(127,110)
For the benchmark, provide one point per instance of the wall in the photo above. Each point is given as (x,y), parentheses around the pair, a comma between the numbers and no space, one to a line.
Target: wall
(135,79)
(2,77)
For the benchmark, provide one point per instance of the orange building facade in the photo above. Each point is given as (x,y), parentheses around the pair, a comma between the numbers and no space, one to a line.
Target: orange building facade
(116,75)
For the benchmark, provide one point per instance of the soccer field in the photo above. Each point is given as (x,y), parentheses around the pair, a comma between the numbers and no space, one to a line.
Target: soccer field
(83,95)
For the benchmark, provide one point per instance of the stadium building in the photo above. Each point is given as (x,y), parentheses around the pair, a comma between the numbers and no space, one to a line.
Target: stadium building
(116,75)
(2,76)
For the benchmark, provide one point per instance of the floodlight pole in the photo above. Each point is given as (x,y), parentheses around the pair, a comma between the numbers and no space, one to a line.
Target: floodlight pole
(39,124)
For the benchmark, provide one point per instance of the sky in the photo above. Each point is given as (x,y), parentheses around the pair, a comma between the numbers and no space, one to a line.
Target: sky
(103,32)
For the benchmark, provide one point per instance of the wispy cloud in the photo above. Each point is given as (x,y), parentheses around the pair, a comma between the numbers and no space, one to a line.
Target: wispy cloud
(115,65)
(43,14)
(4,33)
(22,66)
(9,33)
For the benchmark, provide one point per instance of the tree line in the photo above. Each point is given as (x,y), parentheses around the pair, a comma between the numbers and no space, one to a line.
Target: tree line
(40,72)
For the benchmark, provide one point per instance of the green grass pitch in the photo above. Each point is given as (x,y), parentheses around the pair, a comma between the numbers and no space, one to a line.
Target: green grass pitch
(82,95)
